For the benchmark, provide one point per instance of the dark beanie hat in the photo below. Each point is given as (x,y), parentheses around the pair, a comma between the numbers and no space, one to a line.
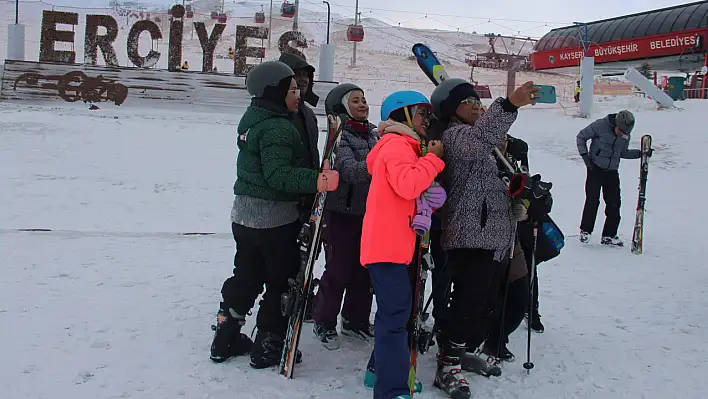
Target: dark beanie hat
(277,94)
(448,107)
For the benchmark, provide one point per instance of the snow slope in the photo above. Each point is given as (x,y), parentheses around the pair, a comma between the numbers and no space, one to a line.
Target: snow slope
(116,302)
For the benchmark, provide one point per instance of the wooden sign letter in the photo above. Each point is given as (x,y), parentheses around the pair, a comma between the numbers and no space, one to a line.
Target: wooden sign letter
(174,53)
(93,40)
(208,43)
(133,54)
(242,50)
(51,35)
(292,36)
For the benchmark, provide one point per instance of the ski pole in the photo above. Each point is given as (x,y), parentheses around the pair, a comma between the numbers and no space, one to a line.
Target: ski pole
(505,295)
(529,365)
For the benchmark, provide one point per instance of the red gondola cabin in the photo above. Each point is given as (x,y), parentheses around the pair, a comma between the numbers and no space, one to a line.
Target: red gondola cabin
(355,33)
(214,15)
(222,18)
(287,10)
(260,17)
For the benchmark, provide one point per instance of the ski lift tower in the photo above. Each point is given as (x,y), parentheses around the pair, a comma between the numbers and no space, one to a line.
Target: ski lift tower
(297,14)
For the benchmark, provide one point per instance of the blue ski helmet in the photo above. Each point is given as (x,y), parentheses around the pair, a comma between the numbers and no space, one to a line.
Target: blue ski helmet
(402,99)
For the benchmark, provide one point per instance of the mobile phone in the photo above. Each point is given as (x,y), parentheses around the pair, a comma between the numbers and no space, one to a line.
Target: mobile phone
(547,94)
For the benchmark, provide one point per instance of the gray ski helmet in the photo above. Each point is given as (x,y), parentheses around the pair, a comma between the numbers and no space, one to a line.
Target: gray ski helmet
(333,102)
(442,92)
(265,74)
(625,121)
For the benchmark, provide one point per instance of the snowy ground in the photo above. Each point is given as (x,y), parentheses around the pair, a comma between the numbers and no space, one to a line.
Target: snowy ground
(116,302)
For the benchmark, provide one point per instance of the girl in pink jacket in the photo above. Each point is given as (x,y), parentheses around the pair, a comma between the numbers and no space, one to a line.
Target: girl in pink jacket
(400,175)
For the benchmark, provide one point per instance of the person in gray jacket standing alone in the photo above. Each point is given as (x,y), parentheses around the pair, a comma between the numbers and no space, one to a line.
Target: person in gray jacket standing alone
(609,138)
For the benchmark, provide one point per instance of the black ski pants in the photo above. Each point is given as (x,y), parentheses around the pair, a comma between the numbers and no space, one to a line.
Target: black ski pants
(517,298)
(476,279)
(608,181)
(440,276)
(263,256)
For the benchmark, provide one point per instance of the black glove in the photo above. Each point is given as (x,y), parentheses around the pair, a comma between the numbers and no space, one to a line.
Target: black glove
(650,152)
(588,161)
(517,148)
(540,208)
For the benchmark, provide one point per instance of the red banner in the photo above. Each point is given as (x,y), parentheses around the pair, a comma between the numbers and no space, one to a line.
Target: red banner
(689,41)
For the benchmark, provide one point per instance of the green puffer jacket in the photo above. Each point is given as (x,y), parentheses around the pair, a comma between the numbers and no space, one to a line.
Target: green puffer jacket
(271,159)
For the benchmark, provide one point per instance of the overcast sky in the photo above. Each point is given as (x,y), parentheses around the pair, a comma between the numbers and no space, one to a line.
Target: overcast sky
(510,17)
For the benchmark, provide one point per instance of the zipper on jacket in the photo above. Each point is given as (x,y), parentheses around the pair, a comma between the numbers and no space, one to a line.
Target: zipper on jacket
(350,195)
(484,216)
(609,161)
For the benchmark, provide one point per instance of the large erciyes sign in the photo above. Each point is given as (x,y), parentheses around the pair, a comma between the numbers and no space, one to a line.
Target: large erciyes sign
(93,41)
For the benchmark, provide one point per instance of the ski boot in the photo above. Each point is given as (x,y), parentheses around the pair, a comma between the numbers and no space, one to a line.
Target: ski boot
(612,241)
(364,331)
(328,337)
(228,339)
(584,236)
(534,323)
(482,362)
(268,350)
(505,355)
(448,377)
(370,381)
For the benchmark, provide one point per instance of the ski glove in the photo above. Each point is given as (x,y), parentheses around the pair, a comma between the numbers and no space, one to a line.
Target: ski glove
(588,161)
(649,152)
(422,220)
(435,196)
(539,209)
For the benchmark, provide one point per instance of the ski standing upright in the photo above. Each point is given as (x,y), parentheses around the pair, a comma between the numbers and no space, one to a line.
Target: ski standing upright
(294,302)
(638,236)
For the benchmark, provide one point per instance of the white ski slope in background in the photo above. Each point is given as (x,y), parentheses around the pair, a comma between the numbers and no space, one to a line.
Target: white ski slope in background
(115,302)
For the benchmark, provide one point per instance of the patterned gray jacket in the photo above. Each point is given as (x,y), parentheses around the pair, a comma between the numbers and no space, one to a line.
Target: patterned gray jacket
(478,209)
(354,179)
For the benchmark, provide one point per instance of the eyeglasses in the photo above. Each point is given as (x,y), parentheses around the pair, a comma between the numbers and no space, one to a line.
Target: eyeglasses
(472,101)
(424,113)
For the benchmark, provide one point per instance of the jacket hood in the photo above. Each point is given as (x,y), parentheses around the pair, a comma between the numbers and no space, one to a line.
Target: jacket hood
(390,126)
(296,62)
(259,111)
(373,156)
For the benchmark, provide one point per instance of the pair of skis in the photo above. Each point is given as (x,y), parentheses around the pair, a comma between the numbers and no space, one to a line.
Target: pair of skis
(638,235)
(294,302)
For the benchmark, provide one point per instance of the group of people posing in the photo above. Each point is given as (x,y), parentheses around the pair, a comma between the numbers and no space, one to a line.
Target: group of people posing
(428,166)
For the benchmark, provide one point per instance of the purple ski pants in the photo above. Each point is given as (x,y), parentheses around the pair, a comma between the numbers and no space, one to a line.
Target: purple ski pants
(343,272)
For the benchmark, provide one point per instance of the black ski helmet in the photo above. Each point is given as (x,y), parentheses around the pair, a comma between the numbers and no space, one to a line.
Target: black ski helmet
(448,95)
(265,74)
(333,102)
